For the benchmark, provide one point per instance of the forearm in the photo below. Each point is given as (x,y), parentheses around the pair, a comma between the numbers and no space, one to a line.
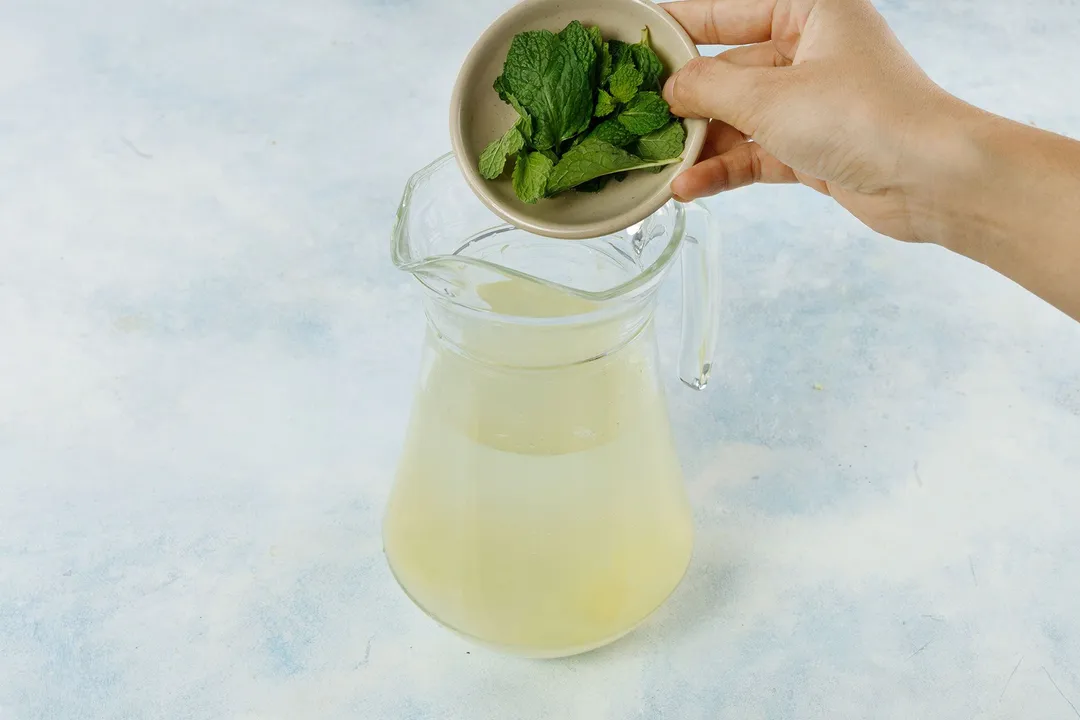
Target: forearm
(1008,196)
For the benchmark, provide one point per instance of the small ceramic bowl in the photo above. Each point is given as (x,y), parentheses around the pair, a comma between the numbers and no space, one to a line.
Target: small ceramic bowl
(478,116)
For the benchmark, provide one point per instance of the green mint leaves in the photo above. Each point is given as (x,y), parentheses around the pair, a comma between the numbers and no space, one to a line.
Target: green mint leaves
(590,110)
(582,43)
(625,81)
(531,175)
(544,73)
(664,143)
(645,113)
(605,103)
(493,160)
(613,132)
(647,62)
(591,159)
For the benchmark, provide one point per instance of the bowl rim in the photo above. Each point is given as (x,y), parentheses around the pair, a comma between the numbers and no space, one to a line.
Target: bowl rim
(696,129)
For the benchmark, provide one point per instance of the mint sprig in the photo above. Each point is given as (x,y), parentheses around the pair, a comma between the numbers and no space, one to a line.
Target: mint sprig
(589,110)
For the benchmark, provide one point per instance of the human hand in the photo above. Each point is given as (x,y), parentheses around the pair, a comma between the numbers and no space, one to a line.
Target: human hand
(820,92)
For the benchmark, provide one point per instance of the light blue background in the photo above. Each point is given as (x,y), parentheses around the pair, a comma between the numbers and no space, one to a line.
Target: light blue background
(206,361)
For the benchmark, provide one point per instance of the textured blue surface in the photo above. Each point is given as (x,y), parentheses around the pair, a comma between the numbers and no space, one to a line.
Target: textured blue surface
(206,361)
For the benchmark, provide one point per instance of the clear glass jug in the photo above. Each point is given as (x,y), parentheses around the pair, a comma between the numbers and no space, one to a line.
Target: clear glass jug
(539,506)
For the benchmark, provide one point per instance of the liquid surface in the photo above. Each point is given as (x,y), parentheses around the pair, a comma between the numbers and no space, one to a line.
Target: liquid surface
(539,511)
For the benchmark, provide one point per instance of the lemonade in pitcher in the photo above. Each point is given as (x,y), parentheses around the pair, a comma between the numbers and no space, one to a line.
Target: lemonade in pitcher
(539,505)
(540,510)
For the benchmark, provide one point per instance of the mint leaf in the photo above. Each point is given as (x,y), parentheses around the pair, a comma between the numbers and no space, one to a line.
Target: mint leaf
(503,88)
(581,43)
(646,112)
(551,83)
(603,55)
(605,104)
(625,81)
(647,62)
(531,176)
(597,38)
(618,50)
(525,124)
(612,131)
(605,64)
(592,159)
(493,159)
(667,142)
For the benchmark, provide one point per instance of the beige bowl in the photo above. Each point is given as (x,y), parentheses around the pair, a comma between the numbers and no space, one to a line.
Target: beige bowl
(478,116)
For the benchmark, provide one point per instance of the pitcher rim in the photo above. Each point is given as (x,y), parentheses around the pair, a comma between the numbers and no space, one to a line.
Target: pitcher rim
(403,259)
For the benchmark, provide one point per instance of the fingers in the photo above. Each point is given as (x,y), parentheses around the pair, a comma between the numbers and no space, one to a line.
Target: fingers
(743,165)
(720,138)
(722,90)
(813,183)
(724,22)
(763,54)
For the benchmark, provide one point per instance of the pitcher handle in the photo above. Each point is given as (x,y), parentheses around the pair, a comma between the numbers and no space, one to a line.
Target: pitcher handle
(701,260)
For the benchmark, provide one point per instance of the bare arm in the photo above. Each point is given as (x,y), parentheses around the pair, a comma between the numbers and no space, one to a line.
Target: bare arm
(1008,196)
(821,92)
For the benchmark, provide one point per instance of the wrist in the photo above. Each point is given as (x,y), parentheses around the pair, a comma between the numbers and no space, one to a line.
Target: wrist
(1003,194)
(951,163)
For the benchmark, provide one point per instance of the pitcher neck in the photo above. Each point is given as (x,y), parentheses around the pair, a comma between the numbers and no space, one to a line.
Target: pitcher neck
(537,343)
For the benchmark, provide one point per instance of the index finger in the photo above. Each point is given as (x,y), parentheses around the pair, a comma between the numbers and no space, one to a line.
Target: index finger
(724,22)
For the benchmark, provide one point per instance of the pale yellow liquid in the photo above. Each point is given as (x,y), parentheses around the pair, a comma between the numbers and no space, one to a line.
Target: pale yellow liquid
(539,511)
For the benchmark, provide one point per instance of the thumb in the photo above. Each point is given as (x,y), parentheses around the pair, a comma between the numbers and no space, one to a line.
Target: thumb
(715,88)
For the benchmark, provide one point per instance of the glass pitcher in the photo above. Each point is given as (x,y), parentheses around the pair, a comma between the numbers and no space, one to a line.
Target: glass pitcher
(539,506)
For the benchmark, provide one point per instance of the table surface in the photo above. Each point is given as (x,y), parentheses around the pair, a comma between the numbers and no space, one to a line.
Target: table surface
(206,362)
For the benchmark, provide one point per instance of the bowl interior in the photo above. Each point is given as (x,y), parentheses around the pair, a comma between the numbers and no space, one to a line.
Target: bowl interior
(478,117)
